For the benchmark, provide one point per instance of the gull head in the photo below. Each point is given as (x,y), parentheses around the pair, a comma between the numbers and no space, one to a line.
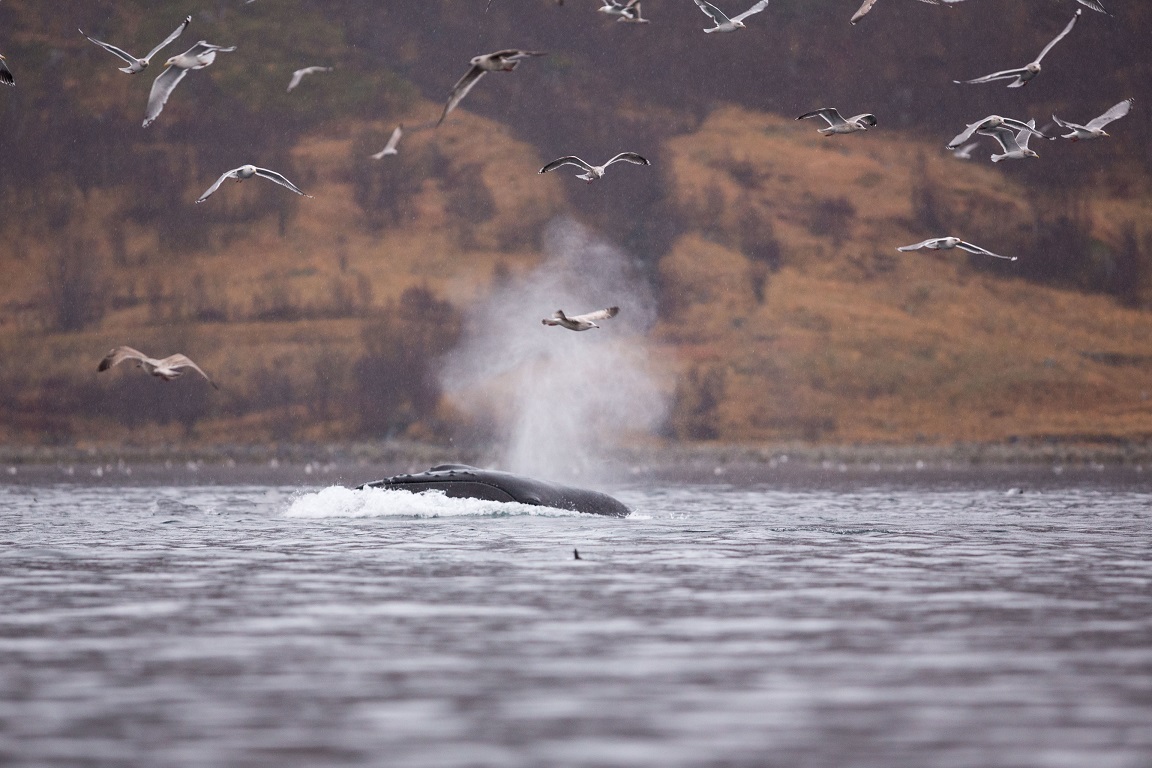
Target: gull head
(170,61)
(1034,68)
(1030,153)
(738,24)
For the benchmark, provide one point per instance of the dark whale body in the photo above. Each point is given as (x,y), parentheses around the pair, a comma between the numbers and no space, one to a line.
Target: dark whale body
(461,481)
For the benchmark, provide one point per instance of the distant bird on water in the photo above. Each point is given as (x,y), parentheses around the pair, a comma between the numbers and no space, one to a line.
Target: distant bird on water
(247,172)
(197,57)
(299,75)
(5,73)
(580,322)
(136,65)
(1095,127)
(948,243)
(167,369)
(1022,76)
(722,22)
(390,147)
(500,61)
(837,124)
(593,172)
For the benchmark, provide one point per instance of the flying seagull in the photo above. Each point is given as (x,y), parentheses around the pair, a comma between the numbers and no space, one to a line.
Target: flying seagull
(197,57)
(1095,127)
(247,172)
(1014,143)
(500,61)
(167,369)
(965,152)
(299,74)
(580,322)
(390,147)
(5,73)
(628,10)
(867,6)
(837,124)
(722,22)
(134,64)
(948,243)
(990,123)
(1094,5)
(593,172)
(1021,76)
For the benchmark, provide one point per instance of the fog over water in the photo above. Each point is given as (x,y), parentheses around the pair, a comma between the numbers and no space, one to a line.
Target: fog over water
(557,399)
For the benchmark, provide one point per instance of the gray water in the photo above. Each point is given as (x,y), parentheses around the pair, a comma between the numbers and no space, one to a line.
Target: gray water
(874,623)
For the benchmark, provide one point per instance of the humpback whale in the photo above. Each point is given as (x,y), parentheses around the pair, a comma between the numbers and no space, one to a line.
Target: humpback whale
(464,482)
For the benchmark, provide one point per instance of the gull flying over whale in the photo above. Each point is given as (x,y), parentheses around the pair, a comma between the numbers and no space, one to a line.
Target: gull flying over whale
(299,75)
(1095,127)
(134,64)
(197,57)
(989,124)
(500,61)
(580,322)
(390,147)
(593,172)
(722,22)
(948,243)
(837,124)
(1021,77)
(167,369)
(247,172)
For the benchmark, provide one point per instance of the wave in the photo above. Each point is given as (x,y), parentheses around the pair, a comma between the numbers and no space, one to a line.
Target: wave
(338,501)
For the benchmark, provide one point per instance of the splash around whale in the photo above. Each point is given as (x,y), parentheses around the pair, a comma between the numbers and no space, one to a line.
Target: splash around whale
(463,481)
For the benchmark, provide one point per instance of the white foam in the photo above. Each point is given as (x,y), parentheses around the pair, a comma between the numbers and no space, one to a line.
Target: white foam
(338,501)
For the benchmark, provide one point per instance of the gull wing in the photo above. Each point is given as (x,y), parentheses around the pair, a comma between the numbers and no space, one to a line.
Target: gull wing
(1115,113)
(120,354)
(297,76)
(966,134)
(754,9)
(919,245)
(1006,74)
(567,160)
(714,13)
(965,152)
(1005,135)
(970,248)
(1060,36)
(830,115)
(264,173)
(868,118)
(111,48)
(1023,135)
(515,54)
(179,30)
(460,90)
(628,157)
(1094,5)
(180,361)
(6,74)
(161,89)
(863,10)
(394,139)
(600,314)
(228,175)
(1066,124)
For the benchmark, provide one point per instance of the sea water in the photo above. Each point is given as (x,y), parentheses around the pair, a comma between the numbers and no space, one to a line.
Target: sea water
(872,622)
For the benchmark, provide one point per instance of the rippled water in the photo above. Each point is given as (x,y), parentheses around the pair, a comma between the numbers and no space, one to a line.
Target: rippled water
(939,624)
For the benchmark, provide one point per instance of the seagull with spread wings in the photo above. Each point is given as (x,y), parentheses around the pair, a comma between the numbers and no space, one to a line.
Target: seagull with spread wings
(247,172)
(169,368)
(948,243)
(1021,76)
(300,74)
(1094,129)
(390,147)
(722,22)
(990,123)
(867,6)
(623,10)
(837,124)
(580,322)
(136,65)
(1014,143)
(500,61)
(197,57)
(593,172)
